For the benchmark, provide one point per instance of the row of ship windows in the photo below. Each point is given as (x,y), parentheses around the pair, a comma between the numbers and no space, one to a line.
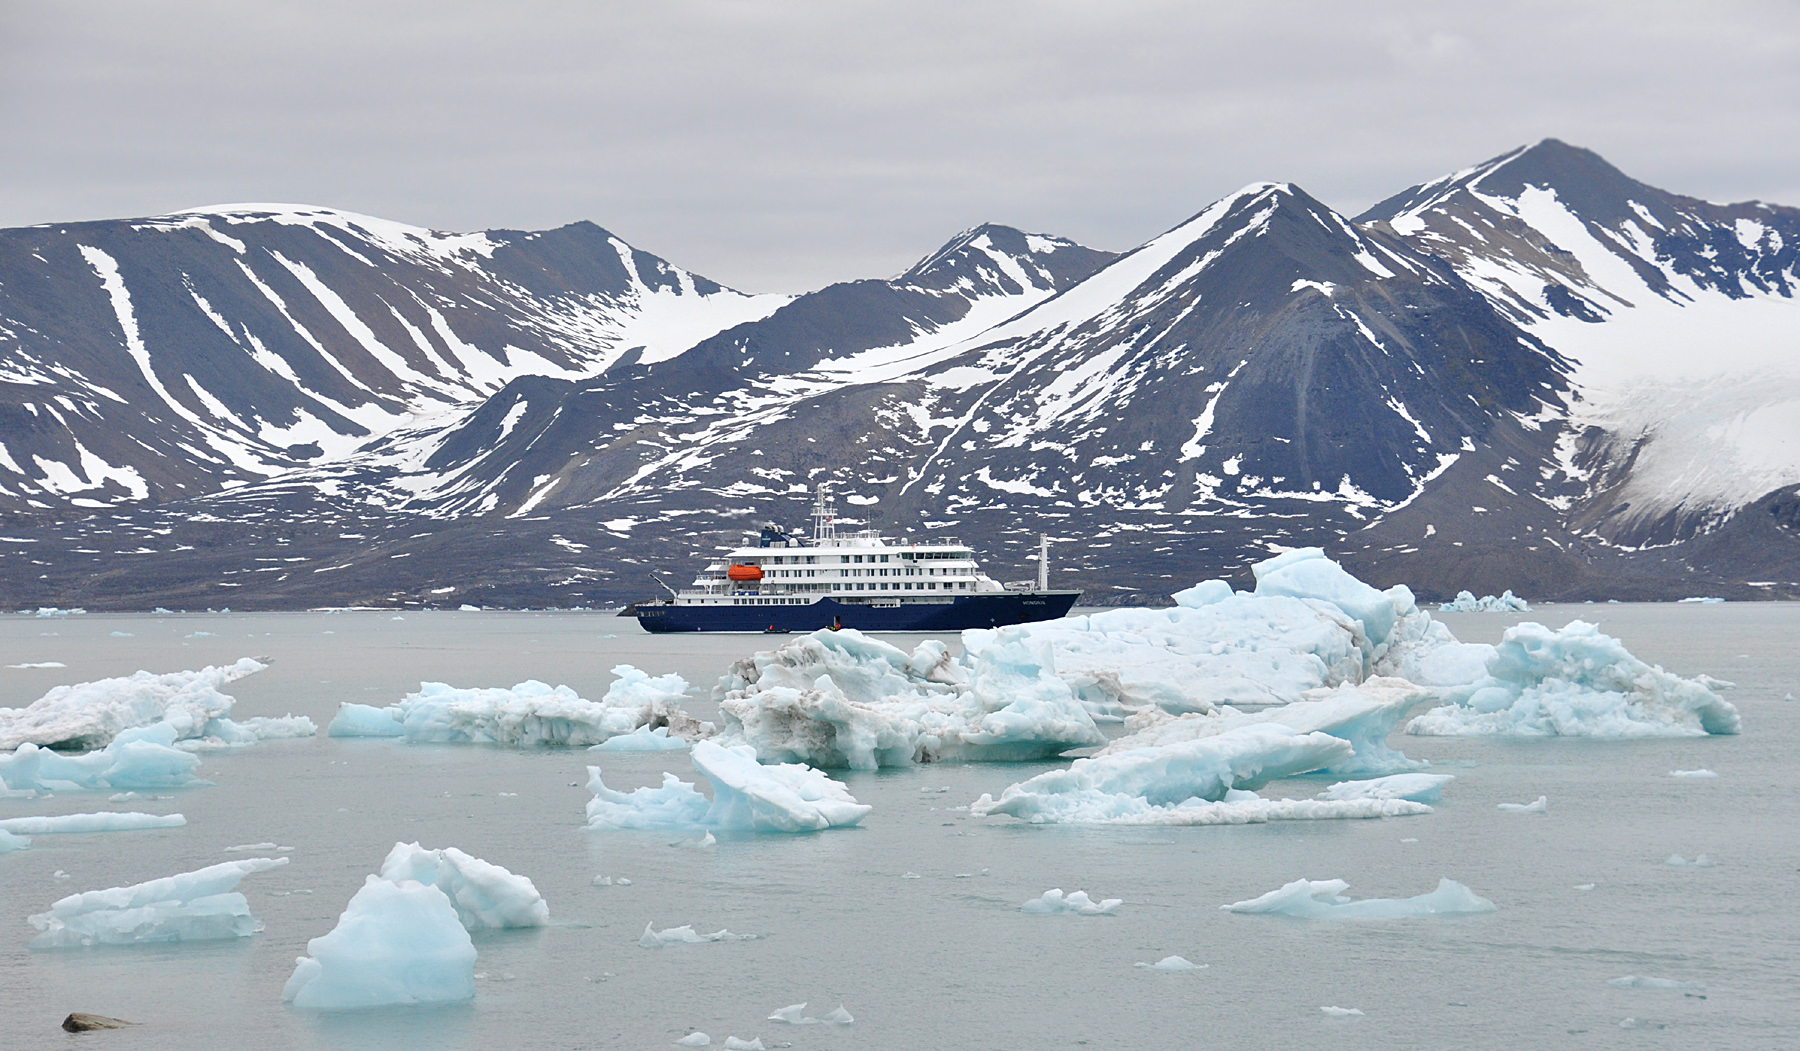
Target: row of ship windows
(812,560)
(895,586)
(792,574)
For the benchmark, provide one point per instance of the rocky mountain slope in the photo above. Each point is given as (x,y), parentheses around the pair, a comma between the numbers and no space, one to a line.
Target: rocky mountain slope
(1535,373)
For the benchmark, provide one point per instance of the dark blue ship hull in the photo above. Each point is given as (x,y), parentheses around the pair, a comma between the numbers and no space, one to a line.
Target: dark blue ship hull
(991,610)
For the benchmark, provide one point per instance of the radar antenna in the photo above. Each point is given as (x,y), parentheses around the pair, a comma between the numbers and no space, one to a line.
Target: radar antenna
(824,515)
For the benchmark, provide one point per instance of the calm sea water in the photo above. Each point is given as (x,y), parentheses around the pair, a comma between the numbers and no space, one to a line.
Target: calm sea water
(943,960)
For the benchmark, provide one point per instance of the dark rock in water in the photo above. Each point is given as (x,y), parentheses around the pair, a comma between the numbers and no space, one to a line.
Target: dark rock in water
(82,1023)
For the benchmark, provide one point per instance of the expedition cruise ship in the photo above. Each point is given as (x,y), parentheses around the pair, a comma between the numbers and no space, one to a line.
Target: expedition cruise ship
(859,580)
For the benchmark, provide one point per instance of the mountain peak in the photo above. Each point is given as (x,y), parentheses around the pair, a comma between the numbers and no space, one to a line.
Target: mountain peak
(992,254)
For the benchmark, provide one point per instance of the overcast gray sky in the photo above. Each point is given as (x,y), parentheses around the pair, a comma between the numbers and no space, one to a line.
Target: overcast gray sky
(780,146)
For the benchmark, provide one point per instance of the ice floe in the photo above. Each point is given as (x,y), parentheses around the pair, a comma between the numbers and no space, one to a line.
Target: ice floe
(1694,775)
(747,797)
(1701,861)
(1633,981)
(1342,1012)
(530,714)
(395,943)
(686,935)
(484,894)
(842,699)
(190,906)
(111,821)
(1505,602)
(1325,900)
(91,715)
(1420,788)
(1578,682)
(1540,805)
(795,1014)
(694,1040)
(1202,781)
(1055,902)
(10,842)
(1174,964)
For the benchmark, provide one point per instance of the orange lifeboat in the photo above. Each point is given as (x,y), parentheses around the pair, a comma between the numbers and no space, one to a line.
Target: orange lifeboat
(743,573)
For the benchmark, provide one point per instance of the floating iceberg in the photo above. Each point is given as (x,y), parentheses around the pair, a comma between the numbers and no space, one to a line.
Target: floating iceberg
(1420,788)
(396,943)
(694,1040)
(103,822)
(1466,602)
(1054,902)
(747,797)
(1202,781)
(528,715)
(1325,900)
(1694,775)
(842,699)
(138,758)
(643,739)
(10,842)
(1346,1012)
(686,935)
(484,894)
(1174,964)
(192,906)
(1361,714)
(1578,682)
(91,715)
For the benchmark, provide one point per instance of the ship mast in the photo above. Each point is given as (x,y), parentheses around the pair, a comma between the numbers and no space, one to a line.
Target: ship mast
(824,515)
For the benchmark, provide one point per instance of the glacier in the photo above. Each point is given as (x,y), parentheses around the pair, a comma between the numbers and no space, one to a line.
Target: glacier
(483,894)
(1325,900)
(395,943)
(840,699)
(1578,682)
(530,714)
(190,906)
(91,715)
(747,797)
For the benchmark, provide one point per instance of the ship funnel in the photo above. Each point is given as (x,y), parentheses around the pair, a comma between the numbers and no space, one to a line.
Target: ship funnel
(1043,562)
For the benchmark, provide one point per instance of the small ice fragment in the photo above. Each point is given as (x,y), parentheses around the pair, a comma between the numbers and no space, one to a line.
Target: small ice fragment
(601,881)
(839,1017)
(964,875)
(39,664)
(60,874)
(707,840)
(1079,904)
(686,935)
(1341,1012)
(1789,697)
(1542,805)
(793,1014)
(1632,981)
(243,847)
(1174,963)
(503,795)
(1584,886)
(623,882)
(694,1040)
(121,797)
(1697,775)
(910,875)
(1410,839)
(1628,1023)
(732,1043)
(121,634)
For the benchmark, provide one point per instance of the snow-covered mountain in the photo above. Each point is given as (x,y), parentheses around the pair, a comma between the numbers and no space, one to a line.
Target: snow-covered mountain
(146,360)
(1536,374)
(1678,317)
